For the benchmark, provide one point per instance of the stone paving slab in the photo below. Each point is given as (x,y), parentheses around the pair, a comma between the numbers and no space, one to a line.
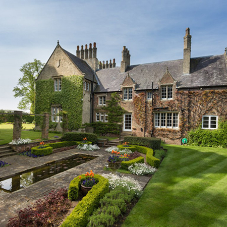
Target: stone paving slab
(10,203)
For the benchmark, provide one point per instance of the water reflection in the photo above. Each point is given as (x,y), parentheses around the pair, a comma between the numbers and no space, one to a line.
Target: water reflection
(30,177)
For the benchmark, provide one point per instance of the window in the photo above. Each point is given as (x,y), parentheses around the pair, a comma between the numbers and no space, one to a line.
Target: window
(55,111)
(210,122)
(57,84)
(166,120)
(86,86)
(167,92)
(127,93)
(103,117)
(149,95)
(102,100)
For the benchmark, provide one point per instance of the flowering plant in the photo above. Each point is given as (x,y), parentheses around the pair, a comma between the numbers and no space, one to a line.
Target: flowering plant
(89,181)
(88,147)
(141,169)
(115,157)
(124,151)
(124,157)
(20,141)
(41,145)
(126,144)
(84,140)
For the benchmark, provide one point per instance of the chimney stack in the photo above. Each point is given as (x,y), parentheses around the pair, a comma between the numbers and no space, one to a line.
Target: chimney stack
(103,64)
(100,65)
(187,52)
(86,52)
(125,59)
(82,52)
(111,64)
(94,50)
(90,50)
(78,52)
(114,64)
(225,55)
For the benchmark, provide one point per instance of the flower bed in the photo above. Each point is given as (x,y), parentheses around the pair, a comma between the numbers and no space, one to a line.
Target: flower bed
(2,163)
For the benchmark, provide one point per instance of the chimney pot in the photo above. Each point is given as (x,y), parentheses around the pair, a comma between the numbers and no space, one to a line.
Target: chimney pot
(82,47)
(85,46)
(90,45)
(94,44)
(78,47)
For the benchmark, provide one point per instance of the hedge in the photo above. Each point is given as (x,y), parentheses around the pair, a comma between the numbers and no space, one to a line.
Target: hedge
(151,142)
(80,214)
(130,147)
(62,144)
(126,164)
(42,151)
(78,136)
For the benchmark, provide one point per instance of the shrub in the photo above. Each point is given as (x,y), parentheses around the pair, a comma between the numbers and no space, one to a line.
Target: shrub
(130,147)
(80,214)
(77,136)
(151,142)
(62,144)
(44,211)
(103,128)
(160,154)
(42,151)
(126,164)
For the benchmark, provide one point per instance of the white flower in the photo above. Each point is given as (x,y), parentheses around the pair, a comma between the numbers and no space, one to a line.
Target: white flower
(127,182)
(88,147)
(20,141)
(141,169)
(109,149)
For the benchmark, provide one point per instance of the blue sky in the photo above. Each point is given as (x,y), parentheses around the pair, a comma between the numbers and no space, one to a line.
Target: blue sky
(152,30)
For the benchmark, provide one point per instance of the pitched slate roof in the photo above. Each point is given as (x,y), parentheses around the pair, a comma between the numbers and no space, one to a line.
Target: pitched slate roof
(205,71)
(82,65)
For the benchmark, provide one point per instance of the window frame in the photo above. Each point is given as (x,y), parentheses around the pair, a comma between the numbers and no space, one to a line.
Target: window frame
(166,90)
(55,110)
(127,93)
(101,117)
(149,95)
(166,120)
(57,84)
(209,121)
(102,100)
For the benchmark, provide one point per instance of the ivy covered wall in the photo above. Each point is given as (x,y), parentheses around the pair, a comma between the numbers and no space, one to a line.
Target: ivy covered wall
(70,98)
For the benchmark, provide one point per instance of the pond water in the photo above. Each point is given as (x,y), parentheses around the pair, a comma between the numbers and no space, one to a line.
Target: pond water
(32,176)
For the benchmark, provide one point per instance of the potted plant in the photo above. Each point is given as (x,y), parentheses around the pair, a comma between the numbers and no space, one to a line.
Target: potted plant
(87,183)
(114,160)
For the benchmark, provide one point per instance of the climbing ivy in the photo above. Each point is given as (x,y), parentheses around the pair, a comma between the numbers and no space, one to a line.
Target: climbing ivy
(70,98)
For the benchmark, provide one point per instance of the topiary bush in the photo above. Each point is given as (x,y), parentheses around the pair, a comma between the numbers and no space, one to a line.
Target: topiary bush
(126,164)
(78,136)
(63,144)
(151,142)
(42,151)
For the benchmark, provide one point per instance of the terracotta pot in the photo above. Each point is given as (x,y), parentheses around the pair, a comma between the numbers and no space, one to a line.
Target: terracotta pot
(85,189)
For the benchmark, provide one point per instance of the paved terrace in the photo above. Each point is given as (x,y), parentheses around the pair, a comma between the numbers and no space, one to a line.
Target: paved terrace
(10,203)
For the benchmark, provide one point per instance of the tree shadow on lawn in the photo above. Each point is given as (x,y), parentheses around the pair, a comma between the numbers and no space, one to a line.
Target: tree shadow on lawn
(189,189)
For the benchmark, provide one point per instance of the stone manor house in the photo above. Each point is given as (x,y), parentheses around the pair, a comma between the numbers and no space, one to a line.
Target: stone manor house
(173,97)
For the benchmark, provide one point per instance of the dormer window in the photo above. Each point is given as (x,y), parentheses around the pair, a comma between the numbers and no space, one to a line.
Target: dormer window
(102,100)
(57,84)
(167,92)
(127,93)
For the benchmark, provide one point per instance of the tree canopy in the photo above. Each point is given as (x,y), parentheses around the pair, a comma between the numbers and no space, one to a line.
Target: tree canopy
(26,85)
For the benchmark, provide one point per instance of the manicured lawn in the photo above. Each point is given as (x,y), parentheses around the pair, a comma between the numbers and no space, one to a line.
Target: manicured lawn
(188,190)
(6,133)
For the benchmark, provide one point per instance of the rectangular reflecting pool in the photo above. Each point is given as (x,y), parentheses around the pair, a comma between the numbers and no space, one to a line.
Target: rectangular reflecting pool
(32,176)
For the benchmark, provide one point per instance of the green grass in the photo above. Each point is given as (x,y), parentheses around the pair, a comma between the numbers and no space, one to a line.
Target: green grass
(6,133)
(188,190)
(108,137)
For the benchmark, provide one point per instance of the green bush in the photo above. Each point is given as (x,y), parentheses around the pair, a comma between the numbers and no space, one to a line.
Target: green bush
(78,136)
(209,138)
(42,151)
(80,214)
(151,142)
(160,154)
(103,128)
(126,164)
(130,147)
(63,144)
(151,160)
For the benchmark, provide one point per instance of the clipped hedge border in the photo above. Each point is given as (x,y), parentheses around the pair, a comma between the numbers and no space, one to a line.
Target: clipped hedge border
(62,144)
(78,136)
(130,147)
(151,160)
(42,151)
(79,215)
(150,142)
(126,164)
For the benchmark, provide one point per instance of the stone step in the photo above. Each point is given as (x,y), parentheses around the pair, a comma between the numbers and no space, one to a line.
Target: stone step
(7,154)
(6,150)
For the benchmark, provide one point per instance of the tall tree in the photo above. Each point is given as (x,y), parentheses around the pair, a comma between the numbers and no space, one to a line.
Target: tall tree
(26,85)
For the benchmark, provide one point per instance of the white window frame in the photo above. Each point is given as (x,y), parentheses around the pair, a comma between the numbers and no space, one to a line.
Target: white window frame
(149,95)
(57,84)
(166,92)
(210,121)
(127,93)
(102,100)
(166,120)
(102,117)
(55,110)
(127,122)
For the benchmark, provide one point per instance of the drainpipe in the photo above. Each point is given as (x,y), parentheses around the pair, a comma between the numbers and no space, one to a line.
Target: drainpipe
(92,99)
(152,114)
(145,114)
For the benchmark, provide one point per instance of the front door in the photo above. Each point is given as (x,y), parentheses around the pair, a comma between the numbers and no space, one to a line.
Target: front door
(127,122)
